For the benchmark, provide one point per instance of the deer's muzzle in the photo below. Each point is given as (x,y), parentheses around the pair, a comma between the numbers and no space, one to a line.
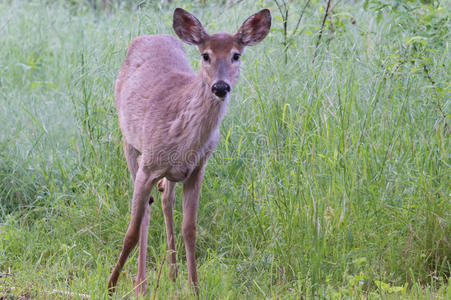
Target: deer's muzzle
(220,88)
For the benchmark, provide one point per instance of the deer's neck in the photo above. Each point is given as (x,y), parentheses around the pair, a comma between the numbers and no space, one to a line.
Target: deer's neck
(204,111)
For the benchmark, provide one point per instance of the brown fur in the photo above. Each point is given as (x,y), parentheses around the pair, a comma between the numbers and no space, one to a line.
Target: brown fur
(170,120)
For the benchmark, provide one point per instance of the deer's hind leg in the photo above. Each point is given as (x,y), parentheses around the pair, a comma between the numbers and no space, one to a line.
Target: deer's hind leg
(167,202)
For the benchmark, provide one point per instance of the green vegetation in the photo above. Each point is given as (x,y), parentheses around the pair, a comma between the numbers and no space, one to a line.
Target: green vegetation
(332,177)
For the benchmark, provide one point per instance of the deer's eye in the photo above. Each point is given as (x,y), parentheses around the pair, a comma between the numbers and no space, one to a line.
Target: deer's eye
(236,57)
(206,57)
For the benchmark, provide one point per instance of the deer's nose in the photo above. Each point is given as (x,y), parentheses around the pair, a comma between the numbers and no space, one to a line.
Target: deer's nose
(220,88)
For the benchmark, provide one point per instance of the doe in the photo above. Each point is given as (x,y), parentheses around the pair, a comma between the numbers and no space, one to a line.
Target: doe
(169,117)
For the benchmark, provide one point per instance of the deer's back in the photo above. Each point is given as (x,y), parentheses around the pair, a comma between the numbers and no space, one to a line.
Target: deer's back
(150,83)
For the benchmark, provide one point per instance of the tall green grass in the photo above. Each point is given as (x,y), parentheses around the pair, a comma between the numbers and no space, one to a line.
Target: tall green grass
(332,178)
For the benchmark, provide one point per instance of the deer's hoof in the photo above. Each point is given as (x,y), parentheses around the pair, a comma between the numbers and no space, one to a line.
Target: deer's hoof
(173,272)
(140,288)
(111,287)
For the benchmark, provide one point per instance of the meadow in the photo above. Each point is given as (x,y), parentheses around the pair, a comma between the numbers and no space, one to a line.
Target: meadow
(331,180)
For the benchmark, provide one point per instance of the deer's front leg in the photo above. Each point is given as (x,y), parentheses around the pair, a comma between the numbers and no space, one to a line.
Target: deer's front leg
(191,191)
(142,187)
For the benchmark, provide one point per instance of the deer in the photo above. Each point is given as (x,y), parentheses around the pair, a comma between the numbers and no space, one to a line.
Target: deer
(169,117)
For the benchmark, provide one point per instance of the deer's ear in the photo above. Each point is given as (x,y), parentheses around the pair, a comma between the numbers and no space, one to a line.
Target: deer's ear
(254,29)
(188,27)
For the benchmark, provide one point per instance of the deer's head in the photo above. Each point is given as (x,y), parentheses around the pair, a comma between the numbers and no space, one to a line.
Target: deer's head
(221,52)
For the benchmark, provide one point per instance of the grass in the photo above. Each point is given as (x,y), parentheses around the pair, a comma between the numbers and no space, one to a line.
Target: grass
(331,179)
